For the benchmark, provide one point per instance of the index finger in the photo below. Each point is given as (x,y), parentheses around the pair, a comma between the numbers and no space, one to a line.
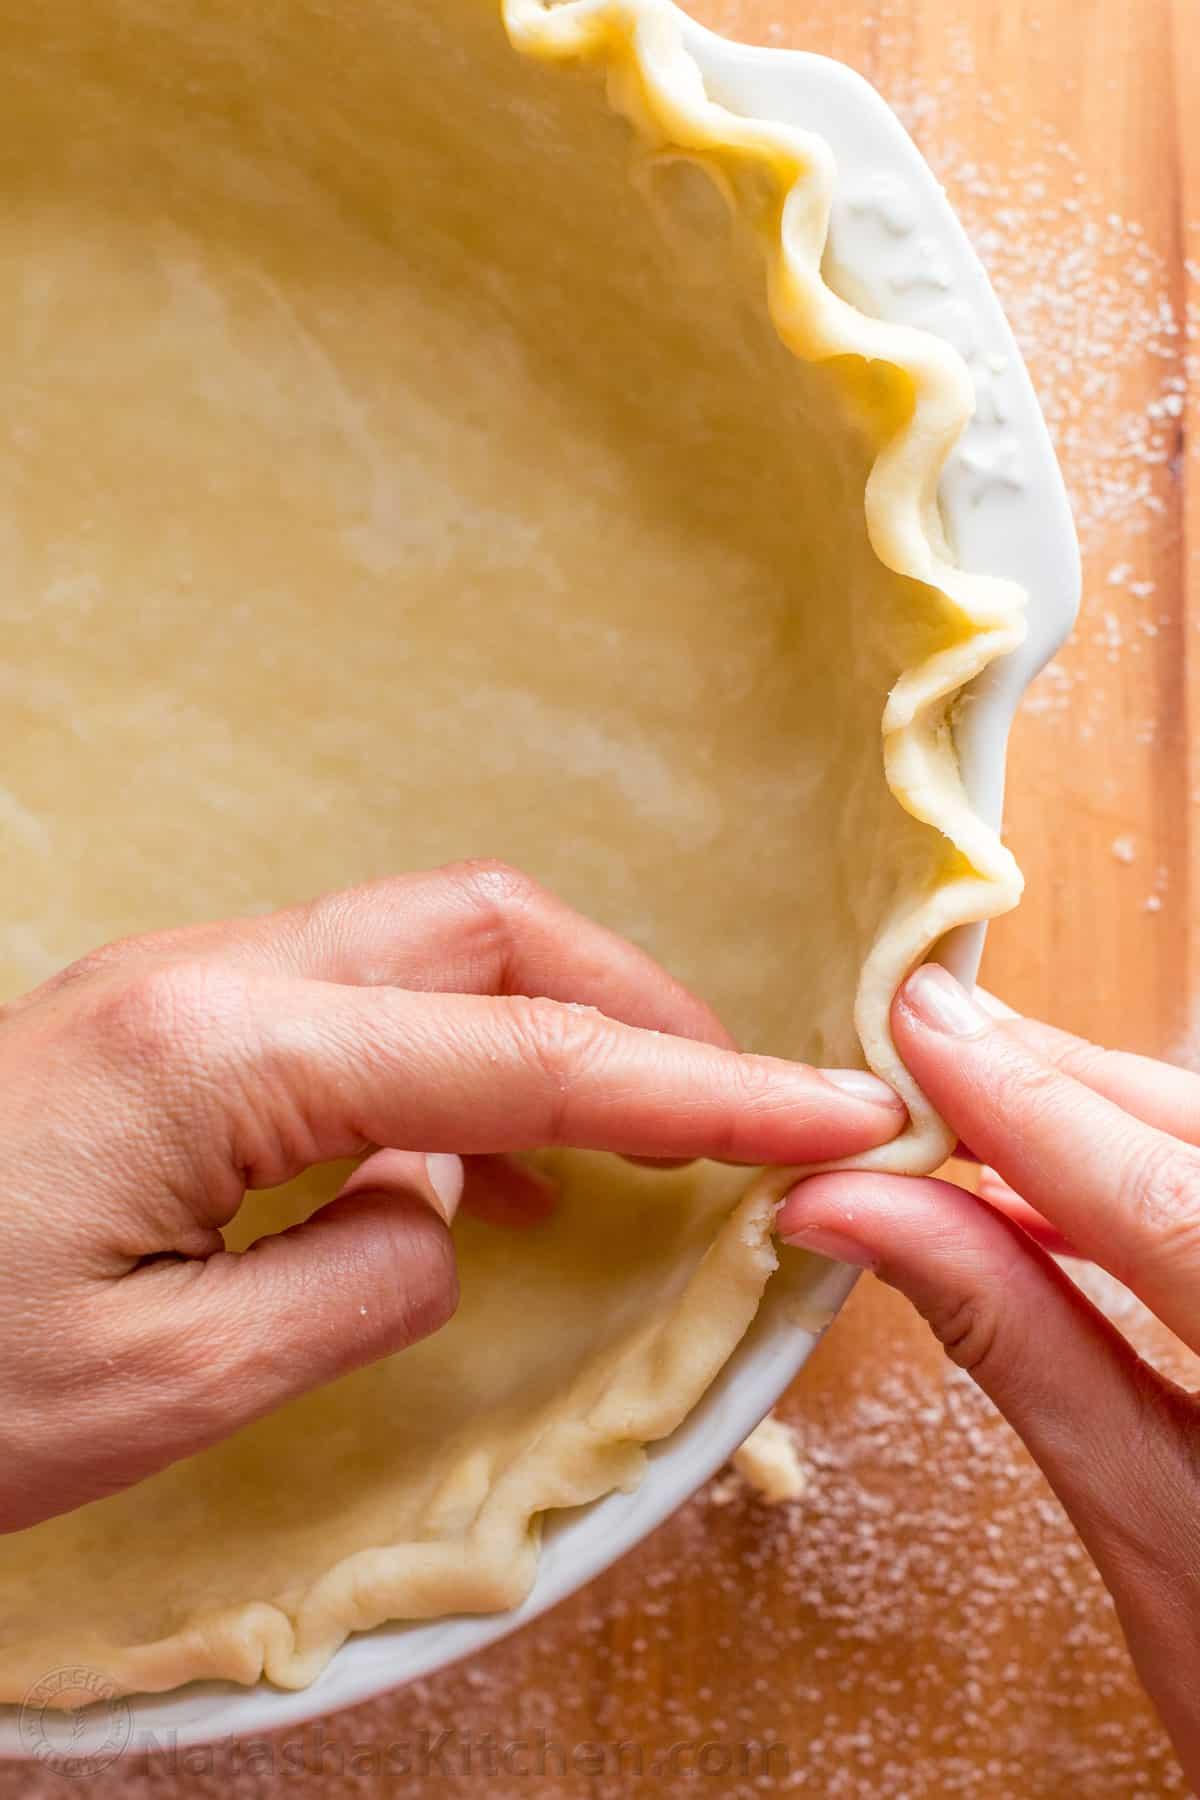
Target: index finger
(318,1070)
(1158,1093)
(1125,1194)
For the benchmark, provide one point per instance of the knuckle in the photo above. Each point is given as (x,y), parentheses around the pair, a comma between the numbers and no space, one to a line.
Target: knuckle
(1160,1195)
(1026,1090)
(168,1008)
(968,1329)
(499,909)
(126,953)
(1083,1061)
(561,1042)
(756,1084)
(493,887)
(752,1099)
(499,900)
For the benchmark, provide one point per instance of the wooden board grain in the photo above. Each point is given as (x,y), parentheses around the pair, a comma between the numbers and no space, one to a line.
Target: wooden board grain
(923,1623)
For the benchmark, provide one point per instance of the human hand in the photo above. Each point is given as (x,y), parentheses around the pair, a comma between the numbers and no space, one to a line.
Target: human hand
(148,1086)
(1095,1151)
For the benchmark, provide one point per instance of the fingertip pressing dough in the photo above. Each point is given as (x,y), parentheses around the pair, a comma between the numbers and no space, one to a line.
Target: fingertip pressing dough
(430,435)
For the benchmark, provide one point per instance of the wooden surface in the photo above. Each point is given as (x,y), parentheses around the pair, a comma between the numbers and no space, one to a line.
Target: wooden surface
(923,1623)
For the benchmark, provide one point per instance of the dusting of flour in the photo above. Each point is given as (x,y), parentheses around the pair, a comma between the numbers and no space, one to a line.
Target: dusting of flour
(921,1622)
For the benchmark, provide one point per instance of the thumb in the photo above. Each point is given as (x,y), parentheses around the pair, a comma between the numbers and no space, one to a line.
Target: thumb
(367,1274)
(1110,1434)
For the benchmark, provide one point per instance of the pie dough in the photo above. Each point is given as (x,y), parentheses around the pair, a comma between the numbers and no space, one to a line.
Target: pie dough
(770,1462)
(430,434)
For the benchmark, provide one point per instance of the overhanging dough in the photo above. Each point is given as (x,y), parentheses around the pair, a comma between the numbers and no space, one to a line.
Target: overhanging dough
(410,461)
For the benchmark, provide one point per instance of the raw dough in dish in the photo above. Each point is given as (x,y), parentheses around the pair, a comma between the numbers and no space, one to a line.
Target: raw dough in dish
(429,434)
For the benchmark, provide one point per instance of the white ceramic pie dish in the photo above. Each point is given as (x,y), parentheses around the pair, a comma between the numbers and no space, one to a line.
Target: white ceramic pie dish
(896,250)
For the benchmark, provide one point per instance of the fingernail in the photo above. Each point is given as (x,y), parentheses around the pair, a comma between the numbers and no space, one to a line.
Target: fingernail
(933,995)
(864,1087)
(445,1174)
(830,1243)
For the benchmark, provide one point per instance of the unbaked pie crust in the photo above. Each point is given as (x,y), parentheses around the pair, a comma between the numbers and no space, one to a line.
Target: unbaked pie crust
(430,434)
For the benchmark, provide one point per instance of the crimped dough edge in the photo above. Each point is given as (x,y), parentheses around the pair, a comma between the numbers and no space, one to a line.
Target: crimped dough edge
(781,180)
